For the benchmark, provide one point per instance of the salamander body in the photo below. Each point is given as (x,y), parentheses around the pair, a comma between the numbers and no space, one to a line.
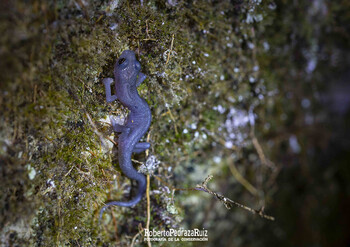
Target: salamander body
(127,77)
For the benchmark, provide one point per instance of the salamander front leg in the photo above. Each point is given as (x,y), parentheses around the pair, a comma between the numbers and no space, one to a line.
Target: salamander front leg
(109,97)
(141,146)
(140,79)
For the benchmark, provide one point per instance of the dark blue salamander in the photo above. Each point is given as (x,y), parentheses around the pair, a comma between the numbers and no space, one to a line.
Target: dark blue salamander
(127,78)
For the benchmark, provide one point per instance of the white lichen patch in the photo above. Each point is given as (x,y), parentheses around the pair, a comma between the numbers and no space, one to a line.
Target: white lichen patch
(150,166)
(172,209)
(105,120)
(31,171)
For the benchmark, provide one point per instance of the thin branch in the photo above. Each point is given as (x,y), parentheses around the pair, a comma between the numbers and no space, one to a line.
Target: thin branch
(256,143)
(136,235)
(115,227)
(260,151)
(229,203)
(171,116)
(171,49)
(226,201)
(94,128)
(136,161)
(148,198)
(242,180)
(148,209)
(147,33)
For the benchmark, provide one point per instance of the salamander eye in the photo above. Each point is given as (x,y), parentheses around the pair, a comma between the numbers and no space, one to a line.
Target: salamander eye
(122,63)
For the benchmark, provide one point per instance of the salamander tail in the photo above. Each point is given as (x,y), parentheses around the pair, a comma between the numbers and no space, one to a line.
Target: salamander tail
(141,190)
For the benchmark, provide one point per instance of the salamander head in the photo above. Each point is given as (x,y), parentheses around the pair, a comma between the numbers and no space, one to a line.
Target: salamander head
(127,68)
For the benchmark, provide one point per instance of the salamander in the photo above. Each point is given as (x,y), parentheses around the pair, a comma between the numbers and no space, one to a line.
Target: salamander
(127,77)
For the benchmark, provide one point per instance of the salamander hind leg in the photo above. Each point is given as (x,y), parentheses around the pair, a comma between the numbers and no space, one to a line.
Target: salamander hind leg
(141,146)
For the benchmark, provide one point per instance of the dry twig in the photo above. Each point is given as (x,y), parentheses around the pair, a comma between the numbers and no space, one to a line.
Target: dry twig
(136,235)
(171,49)
(229,203)
(148,198)
(242,180)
